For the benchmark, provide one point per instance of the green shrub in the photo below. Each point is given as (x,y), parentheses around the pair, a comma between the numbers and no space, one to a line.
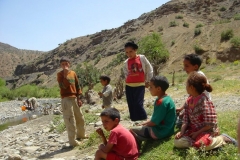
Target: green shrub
(172,43)
(179,17)
(173,24)
(185,24)
(99,56)
(199,25)
(236,63)
(235,41)
(160,29)
(197,49)
(222,9)
(226,35)
(88,74)
(223,21)
(197,31)
(237,17)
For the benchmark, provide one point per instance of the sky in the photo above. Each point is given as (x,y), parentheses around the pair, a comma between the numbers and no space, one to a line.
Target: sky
(43,24)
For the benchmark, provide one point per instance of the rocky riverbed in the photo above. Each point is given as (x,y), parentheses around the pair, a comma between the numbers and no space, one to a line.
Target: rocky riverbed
(35,139)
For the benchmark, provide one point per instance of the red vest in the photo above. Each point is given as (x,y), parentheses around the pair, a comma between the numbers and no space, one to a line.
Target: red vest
(135,71)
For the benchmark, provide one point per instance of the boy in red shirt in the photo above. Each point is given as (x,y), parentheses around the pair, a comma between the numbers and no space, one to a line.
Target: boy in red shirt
(121,143)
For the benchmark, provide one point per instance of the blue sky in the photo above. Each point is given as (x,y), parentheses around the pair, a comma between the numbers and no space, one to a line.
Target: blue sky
(43,24)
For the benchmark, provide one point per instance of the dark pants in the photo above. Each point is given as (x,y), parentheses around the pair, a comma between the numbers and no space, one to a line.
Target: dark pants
(135,98)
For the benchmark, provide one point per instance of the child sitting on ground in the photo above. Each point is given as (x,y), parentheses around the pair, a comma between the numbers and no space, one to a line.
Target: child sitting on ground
(200,118)
(162,121)
(191,63)
(106,94)
(121,143)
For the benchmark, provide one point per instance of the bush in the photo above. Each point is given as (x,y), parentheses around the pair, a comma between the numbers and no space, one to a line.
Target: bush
(197,49)
(235,63)
(172,43)
(197,31)
(185,24)
(226,35)
(199,25)
(235,41)
(222,9)
(87,75)
(237,17)
(160,29)
(173,24)
(99,56)
(179,17)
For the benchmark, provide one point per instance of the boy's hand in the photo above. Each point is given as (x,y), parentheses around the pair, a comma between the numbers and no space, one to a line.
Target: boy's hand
(79,102)
(65,72)
(178,135)
(100,132)
(179,109)
(100,94)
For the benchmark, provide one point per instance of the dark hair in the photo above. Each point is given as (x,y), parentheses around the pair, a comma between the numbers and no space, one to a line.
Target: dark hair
(112,113)
(194,59)
(160,81)
(64,59)
(131,44)
(105,78)
(199,82)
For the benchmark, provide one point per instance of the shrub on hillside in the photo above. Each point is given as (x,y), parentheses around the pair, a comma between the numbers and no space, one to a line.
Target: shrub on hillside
(99,56)
(223,9)
(179,17)
(88,74)
(154,49)
(237,17)
(198,49)
(172,43)
(197,31)
(226,35)
(199,25)
(235,41)
(160,29)
(173,24)
(185,24)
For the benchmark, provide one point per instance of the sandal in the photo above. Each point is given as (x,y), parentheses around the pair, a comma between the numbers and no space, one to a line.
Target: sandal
(234,141)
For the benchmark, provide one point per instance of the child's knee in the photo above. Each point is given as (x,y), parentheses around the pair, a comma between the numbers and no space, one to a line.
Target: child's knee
(182,143)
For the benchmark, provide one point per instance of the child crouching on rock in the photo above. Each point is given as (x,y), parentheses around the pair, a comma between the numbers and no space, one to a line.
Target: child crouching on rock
(199,128)
(121,143)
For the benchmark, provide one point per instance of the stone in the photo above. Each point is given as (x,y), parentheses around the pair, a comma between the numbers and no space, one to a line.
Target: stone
(31,149)
(99,123)
(14,157)
(28,143)
(45,130)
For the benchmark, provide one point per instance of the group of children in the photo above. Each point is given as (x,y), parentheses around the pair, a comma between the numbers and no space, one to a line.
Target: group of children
(197,116)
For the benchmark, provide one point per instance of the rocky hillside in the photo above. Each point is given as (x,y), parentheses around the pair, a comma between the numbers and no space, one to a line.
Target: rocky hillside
(11,57)
(186,26)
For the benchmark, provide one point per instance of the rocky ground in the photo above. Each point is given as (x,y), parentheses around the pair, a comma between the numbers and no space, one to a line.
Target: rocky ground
(35,138)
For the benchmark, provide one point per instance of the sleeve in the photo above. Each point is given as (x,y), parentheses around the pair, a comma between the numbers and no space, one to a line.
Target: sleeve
(209,113)
(107,91)
(61,82)
(148,69)
(159,113)
(112,138)
(125,69)
(78,89)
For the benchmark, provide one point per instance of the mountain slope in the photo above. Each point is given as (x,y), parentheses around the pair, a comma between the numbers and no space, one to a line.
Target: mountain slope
(11,57)
(215,16)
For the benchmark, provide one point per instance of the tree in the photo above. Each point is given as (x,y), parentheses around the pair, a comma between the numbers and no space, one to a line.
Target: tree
(153,48)
(88,75)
